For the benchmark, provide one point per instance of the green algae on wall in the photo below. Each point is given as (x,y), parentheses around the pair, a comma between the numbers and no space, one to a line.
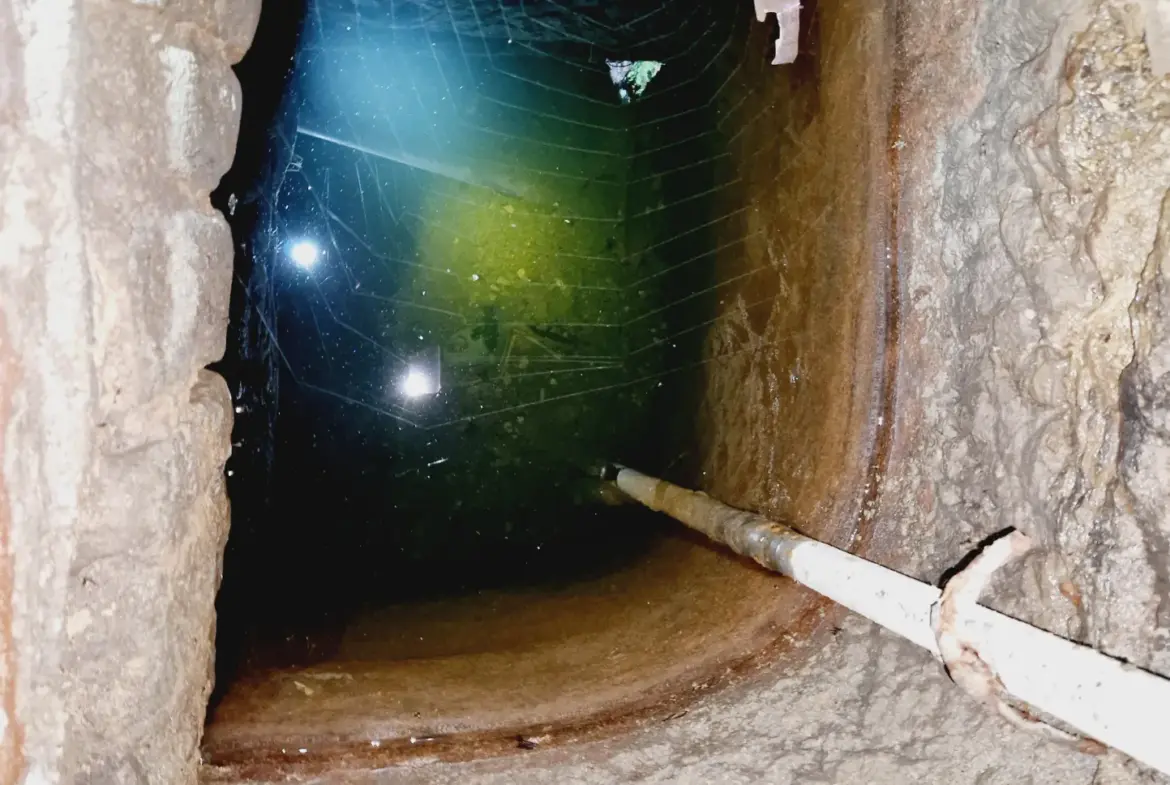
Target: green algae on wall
(534,305)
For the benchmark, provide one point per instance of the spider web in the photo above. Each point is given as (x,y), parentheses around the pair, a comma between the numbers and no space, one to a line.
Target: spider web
(481,205)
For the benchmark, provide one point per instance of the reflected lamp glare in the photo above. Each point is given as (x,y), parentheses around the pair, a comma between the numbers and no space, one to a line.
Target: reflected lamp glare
(304,254)
(416,384)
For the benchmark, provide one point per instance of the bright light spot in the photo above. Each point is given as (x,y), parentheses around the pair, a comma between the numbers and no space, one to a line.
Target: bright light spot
(305,254)
(416,384)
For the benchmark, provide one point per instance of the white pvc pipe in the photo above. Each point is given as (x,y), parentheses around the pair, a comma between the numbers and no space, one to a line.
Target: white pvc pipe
(1119,705)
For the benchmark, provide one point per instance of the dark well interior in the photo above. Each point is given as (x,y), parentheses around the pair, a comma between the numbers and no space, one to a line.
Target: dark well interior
(693,282)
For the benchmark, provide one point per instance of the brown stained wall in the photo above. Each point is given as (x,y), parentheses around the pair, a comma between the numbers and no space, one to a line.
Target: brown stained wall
(116,121)
(791,422)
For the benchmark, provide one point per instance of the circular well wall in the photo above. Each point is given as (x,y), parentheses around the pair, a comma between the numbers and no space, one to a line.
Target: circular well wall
(776,224)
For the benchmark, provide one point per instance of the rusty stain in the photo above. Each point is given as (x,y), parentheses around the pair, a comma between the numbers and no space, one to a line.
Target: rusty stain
(891,301)
(1071,593)
(235,763)
(1091,747)
(231,752)
(926,497)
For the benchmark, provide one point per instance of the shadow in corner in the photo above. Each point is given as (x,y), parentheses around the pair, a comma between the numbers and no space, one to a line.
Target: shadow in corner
(265,73)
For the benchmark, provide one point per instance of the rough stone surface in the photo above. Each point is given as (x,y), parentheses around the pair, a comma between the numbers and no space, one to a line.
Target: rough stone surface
(114,284)
(1036,325)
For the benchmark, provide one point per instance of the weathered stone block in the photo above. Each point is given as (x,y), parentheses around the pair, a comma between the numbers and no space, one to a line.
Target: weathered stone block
(232,22)
(114,276)
(146,570)
(235,24)
(200,112)
(161,270)
(197,243)
(161,296)
(179,102)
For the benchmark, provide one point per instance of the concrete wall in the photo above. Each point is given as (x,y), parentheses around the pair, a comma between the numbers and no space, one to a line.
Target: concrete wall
(116,121)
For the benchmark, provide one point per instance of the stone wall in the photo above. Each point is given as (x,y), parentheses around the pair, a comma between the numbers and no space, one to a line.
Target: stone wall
(116,121)
(1035,382)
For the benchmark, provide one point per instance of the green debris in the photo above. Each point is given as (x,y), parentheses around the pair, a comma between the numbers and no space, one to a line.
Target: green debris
(632,76)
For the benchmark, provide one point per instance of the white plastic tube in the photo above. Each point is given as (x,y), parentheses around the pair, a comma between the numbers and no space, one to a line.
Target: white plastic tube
(1116,704)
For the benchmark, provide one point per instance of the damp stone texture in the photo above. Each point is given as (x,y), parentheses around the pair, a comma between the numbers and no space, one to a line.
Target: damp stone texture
(117,119)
